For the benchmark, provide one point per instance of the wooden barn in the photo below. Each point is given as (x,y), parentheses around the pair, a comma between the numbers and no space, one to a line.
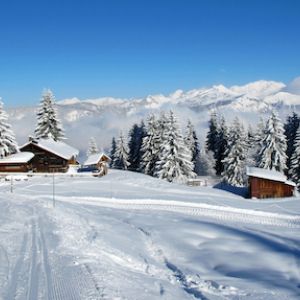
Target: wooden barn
(269,184)
(50,156)
(97,161)
(18,162)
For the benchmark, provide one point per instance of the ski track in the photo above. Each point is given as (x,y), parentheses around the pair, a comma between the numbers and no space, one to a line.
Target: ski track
(222,213)
(16,272)
(65,280)
(4,263)
(35,263)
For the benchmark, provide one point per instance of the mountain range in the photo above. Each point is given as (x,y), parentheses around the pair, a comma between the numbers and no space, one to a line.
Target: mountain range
(105,117)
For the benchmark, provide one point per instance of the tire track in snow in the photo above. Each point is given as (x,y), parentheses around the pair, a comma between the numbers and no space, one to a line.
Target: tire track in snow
(16,273)
(224,213)
(4,271)
(57,282)
(34,268)
(64,278)
(45,262)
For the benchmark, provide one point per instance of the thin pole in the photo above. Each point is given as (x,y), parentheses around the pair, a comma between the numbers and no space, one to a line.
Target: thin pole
(53,181)
(11,184)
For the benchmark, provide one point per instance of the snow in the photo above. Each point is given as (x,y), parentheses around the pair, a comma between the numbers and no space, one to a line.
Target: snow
(94,159)
(70,101)
(131,236)
(59,148)
(268,174)
(259,88)
(249,97)
(96,117)
(20,157)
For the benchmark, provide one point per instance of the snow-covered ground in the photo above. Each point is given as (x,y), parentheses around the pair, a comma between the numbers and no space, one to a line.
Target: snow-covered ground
(130,236)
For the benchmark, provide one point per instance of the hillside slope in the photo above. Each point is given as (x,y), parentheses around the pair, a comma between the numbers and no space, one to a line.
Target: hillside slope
(119,237)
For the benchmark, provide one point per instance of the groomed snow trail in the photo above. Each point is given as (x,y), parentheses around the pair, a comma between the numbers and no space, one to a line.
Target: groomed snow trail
(222,213)
(39,272)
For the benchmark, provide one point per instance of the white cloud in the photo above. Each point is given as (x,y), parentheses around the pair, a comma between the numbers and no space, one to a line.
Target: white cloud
(294,86)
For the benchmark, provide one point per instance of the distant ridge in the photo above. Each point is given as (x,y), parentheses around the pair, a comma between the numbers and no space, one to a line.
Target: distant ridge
(105,117)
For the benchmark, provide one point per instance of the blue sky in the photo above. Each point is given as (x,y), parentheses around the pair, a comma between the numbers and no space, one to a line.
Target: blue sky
(96,48)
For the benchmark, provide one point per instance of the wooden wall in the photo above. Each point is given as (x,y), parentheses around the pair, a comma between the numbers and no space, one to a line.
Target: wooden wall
(24,167)
(45,161)
(265,188)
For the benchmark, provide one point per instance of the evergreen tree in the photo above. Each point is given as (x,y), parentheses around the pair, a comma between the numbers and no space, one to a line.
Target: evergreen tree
(175,162)
(221,146)
(151,146)
(113,151)
(294,171)
(48,124)
(136,135)
(254,139)
(93,148)
(191,141)
(234,162)
(206,163)
(273,146)
(121,154)
(162,125)
(8,144)
(290,130)
(212,134)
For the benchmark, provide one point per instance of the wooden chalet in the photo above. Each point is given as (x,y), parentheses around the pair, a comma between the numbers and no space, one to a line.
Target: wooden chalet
(269,184)
(98,161)
(50,156)
(18,162)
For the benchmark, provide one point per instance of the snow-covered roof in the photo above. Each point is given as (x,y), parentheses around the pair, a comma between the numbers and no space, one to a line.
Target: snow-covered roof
(95,158)
(58,148)
(17,158)
(268,174)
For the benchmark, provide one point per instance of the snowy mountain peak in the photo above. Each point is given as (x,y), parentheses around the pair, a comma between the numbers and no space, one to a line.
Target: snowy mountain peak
(260,88)
(177,94)
(256,96)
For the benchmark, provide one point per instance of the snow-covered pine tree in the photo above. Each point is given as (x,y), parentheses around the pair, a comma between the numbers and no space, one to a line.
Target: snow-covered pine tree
(206,163)
(48,123)
(294,171)
(136,135)
(251,135)
(191,141)
(93,148)
(121,154)
(175,161)
(212,134)
(113,151)
(221,145)
(150,146)
(8,144)
(252,139)
(272,152)
(254,143)
(290,130)
(234,162)
(162,125)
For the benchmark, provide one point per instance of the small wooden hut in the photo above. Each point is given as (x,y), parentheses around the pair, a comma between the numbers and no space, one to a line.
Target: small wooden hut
(18,162)
(269,184)
(50,156)
(97,161)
